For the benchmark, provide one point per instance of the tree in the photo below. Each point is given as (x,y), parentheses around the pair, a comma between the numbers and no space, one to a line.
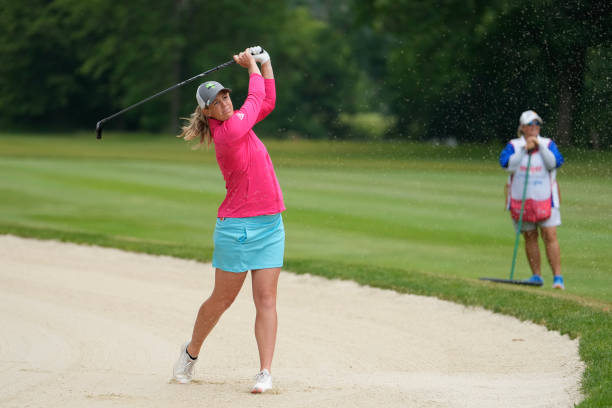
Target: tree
(39,75)
(554,41)
(90,68)
(467,69)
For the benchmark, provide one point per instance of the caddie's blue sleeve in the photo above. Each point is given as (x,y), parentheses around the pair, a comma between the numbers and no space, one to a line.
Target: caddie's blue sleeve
(504,157)
(553,148)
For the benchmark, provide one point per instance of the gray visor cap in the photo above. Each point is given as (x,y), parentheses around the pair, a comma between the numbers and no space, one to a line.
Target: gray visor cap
(207,92)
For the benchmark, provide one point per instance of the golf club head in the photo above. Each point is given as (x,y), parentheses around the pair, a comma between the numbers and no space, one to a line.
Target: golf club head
(99,130)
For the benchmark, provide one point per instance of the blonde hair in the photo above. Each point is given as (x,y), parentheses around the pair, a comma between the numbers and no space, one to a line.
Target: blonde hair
(519,131)
(197,128)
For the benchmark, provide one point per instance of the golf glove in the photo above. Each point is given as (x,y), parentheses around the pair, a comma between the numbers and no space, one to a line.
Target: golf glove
(259,54)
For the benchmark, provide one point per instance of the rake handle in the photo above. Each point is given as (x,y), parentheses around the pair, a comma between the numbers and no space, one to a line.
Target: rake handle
(520,221)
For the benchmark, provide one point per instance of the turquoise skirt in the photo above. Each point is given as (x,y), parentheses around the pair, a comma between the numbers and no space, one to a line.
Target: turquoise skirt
(243,244)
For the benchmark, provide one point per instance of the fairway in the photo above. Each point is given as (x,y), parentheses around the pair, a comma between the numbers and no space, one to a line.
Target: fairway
(410,217)
(412,207)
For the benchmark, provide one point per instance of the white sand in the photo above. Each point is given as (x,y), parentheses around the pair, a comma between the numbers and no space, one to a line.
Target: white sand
(84,326)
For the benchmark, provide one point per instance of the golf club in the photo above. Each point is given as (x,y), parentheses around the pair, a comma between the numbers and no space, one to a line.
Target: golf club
(516,241)
(100,123)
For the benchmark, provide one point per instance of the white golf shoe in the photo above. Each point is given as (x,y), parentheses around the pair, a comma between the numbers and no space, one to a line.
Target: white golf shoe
(183,368)
(263,382)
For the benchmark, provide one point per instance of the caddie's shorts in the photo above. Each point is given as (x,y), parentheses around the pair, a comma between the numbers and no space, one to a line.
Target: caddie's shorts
(553,221)
(243,244)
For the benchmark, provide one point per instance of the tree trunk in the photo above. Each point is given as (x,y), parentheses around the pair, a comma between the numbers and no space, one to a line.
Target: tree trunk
(595,140)
(180,7)
(571,84)
(175,102)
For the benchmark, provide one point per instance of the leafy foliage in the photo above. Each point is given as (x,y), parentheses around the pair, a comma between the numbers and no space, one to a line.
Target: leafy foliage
(467,69)
(443,69)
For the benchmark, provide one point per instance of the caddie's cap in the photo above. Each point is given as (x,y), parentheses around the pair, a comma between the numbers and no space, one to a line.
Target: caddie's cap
(528,116)
(207,92)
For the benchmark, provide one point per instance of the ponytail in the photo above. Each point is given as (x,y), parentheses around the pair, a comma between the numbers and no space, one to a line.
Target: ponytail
(197,128)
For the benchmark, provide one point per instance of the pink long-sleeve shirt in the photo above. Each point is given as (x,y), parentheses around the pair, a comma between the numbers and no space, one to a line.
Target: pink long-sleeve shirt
(250,180)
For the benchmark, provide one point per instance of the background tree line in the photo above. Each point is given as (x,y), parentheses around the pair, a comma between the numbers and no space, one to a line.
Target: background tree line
(395,69)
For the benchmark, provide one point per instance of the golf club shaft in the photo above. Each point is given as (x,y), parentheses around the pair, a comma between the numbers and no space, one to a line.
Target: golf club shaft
(100,123)
(520,221)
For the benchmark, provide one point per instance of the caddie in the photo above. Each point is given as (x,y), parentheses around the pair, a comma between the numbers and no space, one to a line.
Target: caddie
(542,199)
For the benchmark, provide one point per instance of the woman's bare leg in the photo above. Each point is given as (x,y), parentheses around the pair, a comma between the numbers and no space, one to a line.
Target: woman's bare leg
(553,252)
(533,251)
(227,287)
(265,282)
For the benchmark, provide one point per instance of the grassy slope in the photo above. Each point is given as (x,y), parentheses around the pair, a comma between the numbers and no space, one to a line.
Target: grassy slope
(409,217)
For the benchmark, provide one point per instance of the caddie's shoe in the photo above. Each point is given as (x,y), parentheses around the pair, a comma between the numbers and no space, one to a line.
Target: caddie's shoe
(263,382)
(183,368)
(558,282)
(536,279)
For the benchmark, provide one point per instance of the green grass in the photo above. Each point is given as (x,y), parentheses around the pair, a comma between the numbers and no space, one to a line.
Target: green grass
(411,217)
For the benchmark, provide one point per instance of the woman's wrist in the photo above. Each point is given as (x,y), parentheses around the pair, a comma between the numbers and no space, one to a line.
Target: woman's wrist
(266,70)
(254,69)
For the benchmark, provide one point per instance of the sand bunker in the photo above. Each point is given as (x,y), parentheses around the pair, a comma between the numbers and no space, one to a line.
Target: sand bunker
(85,326)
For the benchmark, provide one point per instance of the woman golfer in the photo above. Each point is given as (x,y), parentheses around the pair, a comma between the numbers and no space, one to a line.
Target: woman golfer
(249,234)
(541,210)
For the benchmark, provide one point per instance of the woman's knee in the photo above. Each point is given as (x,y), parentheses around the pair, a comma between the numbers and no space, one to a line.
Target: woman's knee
(549,234)
(222,300)
(265,301)
(531,235)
